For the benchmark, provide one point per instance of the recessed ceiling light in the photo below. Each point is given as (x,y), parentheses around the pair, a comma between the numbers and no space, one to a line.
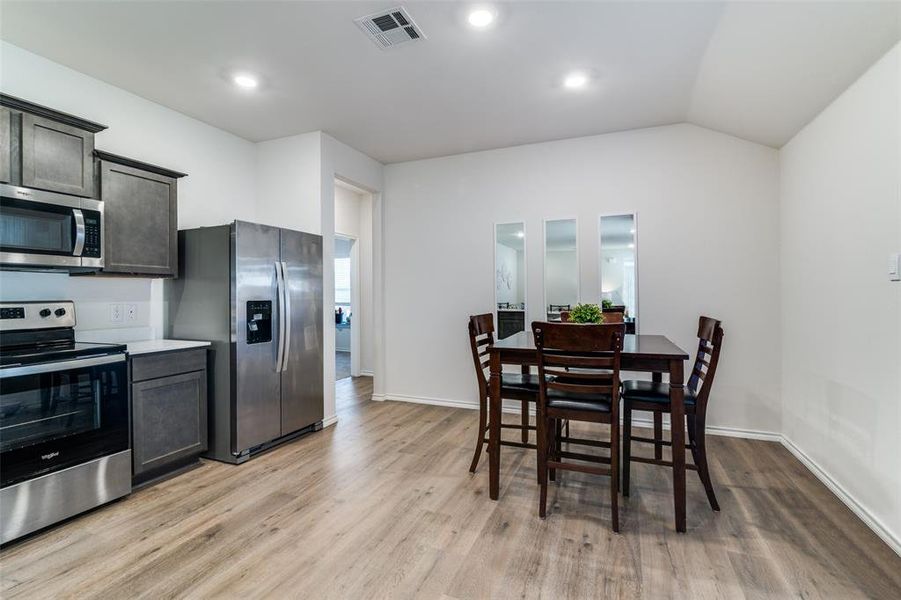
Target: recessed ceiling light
(481,18)
(242,80)
(575,80)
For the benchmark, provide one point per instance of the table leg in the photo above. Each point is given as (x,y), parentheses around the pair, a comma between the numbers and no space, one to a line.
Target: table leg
(494,425)
(677,429)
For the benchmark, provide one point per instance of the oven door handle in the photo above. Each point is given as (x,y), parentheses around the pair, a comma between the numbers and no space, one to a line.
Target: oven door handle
(63,365)
(79,232)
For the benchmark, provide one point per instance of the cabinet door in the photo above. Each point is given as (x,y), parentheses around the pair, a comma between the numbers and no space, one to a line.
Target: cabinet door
(169,420)
(57,157)
(5,145)
(140,212)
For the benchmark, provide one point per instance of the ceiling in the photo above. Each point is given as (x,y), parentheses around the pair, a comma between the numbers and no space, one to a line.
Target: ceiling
(757,70)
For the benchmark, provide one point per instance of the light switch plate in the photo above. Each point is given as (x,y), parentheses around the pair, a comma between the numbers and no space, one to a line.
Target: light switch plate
(894,267)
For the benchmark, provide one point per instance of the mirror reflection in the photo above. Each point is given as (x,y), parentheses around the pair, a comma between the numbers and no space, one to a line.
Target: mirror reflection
(510,278)
(619,274)
(561,267)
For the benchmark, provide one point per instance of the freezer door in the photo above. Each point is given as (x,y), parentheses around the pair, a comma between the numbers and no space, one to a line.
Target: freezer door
(302,388)
(256,388)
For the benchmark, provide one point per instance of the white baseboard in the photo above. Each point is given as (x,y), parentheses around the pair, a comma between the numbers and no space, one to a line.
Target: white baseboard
(365,373)
(750,434)
(329,421)
(842,494)
(378,397)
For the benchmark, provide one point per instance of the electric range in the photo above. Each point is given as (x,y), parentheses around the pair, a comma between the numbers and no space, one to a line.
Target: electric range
(64,419)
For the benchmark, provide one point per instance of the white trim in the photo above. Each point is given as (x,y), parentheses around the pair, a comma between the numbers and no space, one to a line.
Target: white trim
(365,373)
(378,397)
(468,405)
(329,421)
(748,434)
(842,494)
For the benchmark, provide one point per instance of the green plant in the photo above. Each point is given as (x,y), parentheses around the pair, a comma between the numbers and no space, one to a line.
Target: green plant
(586,313)
(607,303)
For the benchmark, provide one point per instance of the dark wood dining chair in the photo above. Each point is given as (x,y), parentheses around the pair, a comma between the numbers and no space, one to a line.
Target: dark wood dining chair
(514,386)
(653,396)
(588,391)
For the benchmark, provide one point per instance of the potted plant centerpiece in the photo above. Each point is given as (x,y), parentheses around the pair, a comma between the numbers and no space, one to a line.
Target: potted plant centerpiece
(586,313)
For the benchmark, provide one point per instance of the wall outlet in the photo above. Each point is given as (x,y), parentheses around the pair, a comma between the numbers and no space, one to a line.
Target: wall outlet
(131,312)
(115,313)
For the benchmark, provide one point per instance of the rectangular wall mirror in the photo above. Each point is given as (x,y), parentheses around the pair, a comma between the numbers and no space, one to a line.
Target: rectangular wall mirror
(619,269)
(510,278)
(561,267)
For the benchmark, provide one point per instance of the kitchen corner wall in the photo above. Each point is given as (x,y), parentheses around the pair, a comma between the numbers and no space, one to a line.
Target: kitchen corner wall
(220,185)
(840,219)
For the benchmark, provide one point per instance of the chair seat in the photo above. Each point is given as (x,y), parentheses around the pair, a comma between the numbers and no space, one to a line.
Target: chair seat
(649,391)
(567,401)
(519,382)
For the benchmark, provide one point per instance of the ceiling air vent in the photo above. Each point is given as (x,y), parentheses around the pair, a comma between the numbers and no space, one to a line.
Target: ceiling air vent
(390,28)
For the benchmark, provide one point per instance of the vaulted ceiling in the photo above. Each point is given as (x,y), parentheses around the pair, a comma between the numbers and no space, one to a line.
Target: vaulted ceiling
(756,70)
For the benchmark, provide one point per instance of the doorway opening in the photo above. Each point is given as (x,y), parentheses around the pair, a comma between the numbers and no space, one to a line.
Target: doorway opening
(354,310)
(344,305)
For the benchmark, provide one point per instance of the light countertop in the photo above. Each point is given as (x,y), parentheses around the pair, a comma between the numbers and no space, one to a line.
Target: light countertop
(151,346)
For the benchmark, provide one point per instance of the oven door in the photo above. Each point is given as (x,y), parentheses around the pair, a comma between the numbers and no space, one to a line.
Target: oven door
(40,228)
(56,415)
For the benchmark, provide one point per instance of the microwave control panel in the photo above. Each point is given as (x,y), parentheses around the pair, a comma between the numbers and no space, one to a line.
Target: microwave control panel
(259,321)
(93,244)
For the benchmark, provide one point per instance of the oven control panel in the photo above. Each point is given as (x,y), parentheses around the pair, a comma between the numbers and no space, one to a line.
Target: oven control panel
(16,316)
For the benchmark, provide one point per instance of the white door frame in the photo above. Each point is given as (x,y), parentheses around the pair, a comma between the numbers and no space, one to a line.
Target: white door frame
(355,285)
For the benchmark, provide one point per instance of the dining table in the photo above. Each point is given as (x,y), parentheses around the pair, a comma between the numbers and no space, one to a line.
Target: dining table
(654,354)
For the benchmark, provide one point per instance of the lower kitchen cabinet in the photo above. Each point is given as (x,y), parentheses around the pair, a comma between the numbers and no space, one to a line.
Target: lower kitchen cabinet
(169,411)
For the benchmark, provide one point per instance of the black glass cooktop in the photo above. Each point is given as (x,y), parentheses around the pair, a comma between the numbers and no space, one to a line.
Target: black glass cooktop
(25,355)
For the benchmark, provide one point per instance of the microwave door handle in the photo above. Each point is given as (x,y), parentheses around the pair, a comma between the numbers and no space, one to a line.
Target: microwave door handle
(280,300)
(288,317)
(79,232)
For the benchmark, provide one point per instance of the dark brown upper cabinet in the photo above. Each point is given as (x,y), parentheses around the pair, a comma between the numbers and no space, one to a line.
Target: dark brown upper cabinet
(47,149)
(140,204)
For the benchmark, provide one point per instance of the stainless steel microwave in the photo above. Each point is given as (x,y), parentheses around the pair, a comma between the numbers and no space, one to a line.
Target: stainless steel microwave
(45,230)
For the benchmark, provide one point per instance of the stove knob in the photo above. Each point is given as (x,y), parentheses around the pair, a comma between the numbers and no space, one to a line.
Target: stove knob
(59,312)
(45,312)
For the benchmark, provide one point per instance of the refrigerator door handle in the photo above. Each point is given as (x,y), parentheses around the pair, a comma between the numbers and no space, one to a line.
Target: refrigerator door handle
(280,284)
(288,317)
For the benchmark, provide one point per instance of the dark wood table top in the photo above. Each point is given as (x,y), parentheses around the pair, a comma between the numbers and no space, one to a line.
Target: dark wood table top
(647,346)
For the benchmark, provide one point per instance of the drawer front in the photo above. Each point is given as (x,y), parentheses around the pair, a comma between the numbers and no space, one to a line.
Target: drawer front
(164,364)
(170,420)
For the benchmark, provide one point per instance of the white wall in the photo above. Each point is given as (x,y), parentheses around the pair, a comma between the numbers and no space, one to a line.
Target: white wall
(841,316)
(708,220)
(219,186)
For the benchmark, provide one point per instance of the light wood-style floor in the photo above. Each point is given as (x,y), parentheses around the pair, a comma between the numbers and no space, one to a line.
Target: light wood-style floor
(382,506)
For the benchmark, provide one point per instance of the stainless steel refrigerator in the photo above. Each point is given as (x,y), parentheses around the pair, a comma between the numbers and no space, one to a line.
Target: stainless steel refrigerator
(255,292)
